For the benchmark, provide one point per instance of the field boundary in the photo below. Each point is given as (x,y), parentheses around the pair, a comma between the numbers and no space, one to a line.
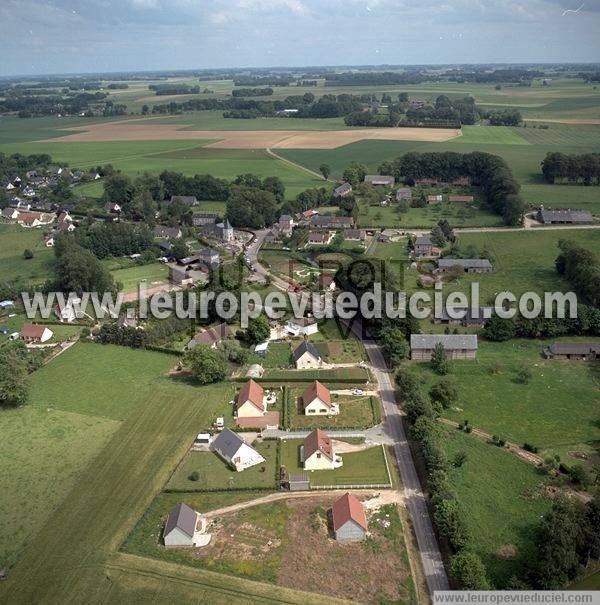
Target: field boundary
(296,165)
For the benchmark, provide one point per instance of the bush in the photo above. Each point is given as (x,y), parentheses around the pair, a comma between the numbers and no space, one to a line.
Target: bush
(524,375)
(194,476)
(27,254)
(530,448)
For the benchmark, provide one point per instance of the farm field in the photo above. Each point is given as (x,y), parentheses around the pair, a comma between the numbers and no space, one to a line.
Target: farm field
(295,530)
(13,267)
(504,498)
(131,277)
(556,411)
(214,473)
(366,467)
(355,412)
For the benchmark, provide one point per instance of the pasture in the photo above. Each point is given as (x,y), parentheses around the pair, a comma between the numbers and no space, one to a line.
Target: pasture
(555,411)
(503,498)
(151,274)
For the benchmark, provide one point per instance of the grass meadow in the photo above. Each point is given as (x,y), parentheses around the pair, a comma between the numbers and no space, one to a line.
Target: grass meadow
(502,497)
(556,410)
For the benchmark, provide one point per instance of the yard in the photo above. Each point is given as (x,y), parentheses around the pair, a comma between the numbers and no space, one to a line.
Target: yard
(503,498)
(214,473)
(131,277)
(556,411)
(365,467)
(355,412)
(278,355)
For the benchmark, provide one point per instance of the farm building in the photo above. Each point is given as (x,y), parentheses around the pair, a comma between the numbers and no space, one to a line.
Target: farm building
(186,200)
(319,239)
(380,180)
(404,193)
(581,351)
(355,235)
(348,519)
(199,219)
(302,326)
(470,317)
(343,190)
(235,451)
(306,357)
(470,265)
(251,400)
(435,199)
(456,346)
(461,199)
(211,336)
(185,527)
(332,222)
(35,333)
(423,246)
(564,217)
(318,452)
(316,401)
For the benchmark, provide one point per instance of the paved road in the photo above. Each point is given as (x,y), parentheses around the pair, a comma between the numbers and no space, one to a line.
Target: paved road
(377,434)
(433,566)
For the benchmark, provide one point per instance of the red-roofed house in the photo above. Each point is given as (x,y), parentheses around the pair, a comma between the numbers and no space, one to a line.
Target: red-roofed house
(316,401)
(250,401)
(318,452)
(326,282)
(349,519)
(35,333)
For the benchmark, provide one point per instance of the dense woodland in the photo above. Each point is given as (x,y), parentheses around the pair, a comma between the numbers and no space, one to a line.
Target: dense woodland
(560,167)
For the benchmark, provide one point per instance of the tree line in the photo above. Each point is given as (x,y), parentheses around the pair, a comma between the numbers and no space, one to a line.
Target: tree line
(581,268)
(252,92)
(489,172)
(572,168)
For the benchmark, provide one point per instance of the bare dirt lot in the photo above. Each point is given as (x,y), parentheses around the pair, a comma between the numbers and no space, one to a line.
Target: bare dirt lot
(252,139)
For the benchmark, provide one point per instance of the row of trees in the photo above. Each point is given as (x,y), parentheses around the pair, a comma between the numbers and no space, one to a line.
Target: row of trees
(252,92)
(581,268)
(489,172)
(572,168)
(504,117)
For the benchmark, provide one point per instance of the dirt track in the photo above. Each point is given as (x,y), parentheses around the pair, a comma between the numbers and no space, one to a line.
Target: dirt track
(251,139)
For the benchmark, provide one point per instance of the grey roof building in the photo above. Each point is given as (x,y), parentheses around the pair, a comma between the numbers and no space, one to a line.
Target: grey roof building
(305,347)
(342,190)
(470,265)
(456,346)
(180,526)
(573,350)
(564,216)
(380,180)
(228,443)
(404,193)
(188,200)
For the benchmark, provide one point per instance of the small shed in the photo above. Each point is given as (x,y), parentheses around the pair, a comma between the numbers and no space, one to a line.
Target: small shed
(298,482)
(262,348)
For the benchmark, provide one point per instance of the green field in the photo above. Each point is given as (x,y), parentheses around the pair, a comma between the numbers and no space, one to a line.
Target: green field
(367,467)
(13,267)
(131,277)
(502,497)
(556,411)
(216,474)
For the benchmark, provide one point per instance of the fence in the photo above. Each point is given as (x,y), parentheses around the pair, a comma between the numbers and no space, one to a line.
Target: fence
(353,486)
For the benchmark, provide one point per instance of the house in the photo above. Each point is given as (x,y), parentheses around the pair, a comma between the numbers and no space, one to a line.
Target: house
(316,401)
(355,235)
(271,236)
(564,217)
(162,232)
(68,313)
(469,265)
(49,240)
(331,222)
(220,231)
(7,304)
(348,519)
(581,351)
(251,400)
(112,207)
(10,214)
(342,190)
(302,326)
(469,317)
(185,527)
(20,204)
(211,336)
(306,356)
(461,199)
(32,219)
(379,180)
(318,453)
(435,199)
(456,346)
(187,200)
(423,246)
(180,277)
(286,113)
(235,451)
(326,282)
(35,333)
(404,193)
(199,219)
(286,224)
(319,239)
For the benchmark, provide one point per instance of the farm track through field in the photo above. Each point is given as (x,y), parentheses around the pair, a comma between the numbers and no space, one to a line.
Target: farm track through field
(294,164)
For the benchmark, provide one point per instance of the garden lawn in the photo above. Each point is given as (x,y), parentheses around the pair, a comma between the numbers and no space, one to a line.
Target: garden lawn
(279,355)
(502,498)
(43,451)
(556,410)
(367,467)
(214,473)
(132,277)
(13,267)
(342,375)
(355,412)
(341,351)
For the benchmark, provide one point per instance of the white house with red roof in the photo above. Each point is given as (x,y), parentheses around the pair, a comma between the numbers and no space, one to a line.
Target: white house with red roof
(318,452)
(316,401)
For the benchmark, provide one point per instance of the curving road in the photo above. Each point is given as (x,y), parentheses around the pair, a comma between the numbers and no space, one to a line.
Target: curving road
(431,557)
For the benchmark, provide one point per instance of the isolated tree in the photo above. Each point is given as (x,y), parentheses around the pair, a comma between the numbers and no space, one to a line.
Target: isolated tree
(258,330)
(439,360)
(444,393)
(325,170)
(14,382)
(469,572)
(27,254)
(206,365)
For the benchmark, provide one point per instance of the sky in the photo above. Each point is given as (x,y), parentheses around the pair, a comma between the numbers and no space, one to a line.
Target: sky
(81,36)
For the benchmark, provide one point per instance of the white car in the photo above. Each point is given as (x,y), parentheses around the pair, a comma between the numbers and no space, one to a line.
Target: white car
(358,392)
